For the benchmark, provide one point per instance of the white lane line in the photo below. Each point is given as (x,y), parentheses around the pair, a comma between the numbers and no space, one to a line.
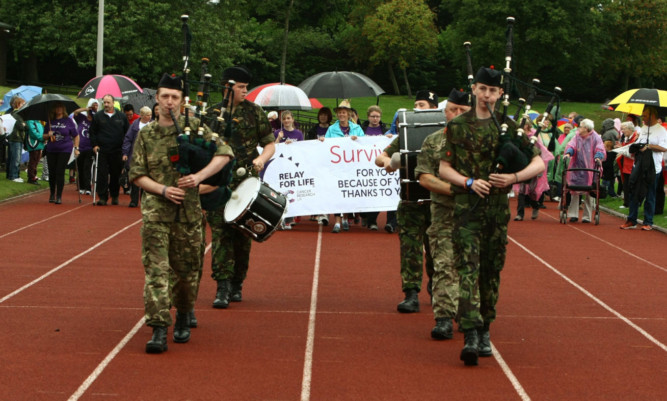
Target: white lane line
(508,372)
(594,298)
(50,272)
(308,359)
(40,222)
(616,247)
(100,368)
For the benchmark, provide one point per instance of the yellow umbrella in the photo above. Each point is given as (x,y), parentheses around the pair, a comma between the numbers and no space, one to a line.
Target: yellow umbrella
(634,100)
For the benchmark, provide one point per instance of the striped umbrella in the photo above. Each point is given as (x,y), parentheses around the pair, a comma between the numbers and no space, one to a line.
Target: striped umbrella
(279,96)
(634,100)
(114,85)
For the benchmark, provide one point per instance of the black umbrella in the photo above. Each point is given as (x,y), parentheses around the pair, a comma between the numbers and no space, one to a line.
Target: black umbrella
(139,100)
(38,107)
(341,85)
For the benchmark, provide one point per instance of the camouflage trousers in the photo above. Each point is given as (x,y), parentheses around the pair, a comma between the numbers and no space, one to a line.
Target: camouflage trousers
(413,220)
(480,243)
(171,255)
(230,249)
(445,277)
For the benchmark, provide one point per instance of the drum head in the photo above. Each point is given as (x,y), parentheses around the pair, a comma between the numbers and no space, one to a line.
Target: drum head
(242,197)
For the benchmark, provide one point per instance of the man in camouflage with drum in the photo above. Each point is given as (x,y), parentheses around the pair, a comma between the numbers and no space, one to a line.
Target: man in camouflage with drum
(172,217)
(230,248)
(481,208)
(445,279)
(413,220)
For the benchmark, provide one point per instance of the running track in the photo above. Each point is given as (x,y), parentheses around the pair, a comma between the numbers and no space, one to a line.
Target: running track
(581,317)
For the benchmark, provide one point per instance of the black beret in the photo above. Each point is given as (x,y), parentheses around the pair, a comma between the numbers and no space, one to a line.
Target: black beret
(427,95)
(488,76)
(236,73)
(171,82)
(459,97)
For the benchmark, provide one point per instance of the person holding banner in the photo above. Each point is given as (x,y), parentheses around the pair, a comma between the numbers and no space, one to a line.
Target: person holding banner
(413,220)
(61,136)
(445,287)
(481,208)
(344,127)
(230,250)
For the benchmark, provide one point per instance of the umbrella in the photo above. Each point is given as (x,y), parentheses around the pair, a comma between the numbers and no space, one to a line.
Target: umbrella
(114,85)
(340,84)
(282,97)
(140,99)
(38,107)
(26,92)
(634,100)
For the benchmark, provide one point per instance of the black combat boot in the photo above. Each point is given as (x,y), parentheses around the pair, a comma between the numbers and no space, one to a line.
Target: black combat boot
(222,294)
(443,330)
(157,343)
(470,350)
(182,327)
(192,319)
(484,341)
(237,295)
(411,302)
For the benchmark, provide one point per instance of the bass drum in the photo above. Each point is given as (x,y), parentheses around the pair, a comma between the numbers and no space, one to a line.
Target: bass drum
(255,209)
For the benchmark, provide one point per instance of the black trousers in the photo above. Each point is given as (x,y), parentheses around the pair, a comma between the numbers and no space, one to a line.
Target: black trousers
(108,174)
(57,163)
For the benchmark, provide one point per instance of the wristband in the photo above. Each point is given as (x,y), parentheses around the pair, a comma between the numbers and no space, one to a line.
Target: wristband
(76,148)
(469,182)
(517,178)
(164,191)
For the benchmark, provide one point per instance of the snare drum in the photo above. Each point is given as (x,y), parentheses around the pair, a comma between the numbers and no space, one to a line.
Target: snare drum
(255,209)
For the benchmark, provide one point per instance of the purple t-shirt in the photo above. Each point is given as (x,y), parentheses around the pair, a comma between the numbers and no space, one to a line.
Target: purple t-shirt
(371,131)
(321,131)
(294,135)
(82,127)
(64,131)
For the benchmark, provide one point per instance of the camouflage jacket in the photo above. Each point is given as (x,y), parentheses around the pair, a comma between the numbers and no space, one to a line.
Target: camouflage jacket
(471,145)
(428,162)
(250,129)
(153,150)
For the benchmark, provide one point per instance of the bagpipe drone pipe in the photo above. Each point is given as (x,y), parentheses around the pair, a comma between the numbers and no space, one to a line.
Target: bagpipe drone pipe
(195,151)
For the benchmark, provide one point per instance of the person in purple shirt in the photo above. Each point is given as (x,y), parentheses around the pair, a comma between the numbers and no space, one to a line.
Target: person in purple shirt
(60,137)
(145,117)
(287,133)
(373,126)
(324,118)
(82,117)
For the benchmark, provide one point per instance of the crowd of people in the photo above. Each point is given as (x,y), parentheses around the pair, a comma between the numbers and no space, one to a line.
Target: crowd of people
(458,237)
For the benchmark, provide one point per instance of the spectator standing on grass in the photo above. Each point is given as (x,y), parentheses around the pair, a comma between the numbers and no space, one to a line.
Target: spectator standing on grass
(16,140)
(586,150)
(34,144)
(648,164)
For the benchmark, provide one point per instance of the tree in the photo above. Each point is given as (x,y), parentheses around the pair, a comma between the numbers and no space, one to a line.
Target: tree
(399,32)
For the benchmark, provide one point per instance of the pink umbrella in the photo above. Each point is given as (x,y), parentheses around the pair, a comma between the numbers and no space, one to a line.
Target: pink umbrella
(114,85)
(282,97)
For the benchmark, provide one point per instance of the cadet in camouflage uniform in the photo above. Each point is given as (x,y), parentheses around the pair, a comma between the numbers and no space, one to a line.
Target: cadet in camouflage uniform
(481,210)
(445,278)
(172,217)
(230,248)
(413,220)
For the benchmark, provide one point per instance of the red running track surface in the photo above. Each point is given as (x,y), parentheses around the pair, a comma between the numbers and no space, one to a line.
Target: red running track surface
(581,316)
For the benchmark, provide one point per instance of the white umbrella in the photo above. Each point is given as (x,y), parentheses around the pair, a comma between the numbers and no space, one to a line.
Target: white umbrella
(280,96)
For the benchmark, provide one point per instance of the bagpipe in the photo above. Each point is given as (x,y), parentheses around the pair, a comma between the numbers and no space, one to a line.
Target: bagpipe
(514,152)
(195,151)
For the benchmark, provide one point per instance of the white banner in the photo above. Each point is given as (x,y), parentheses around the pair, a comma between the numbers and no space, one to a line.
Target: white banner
(335,176)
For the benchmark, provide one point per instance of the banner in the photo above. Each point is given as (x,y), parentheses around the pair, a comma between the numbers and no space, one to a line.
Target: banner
(335,176)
